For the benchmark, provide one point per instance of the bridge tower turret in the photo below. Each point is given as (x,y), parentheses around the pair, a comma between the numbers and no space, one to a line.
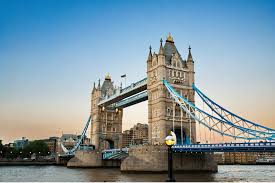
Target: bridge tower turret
(106,127)
(163,114)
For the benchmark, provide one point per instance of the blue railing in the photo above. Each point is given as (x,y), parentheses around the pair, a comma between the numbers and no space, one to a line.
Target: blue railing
(114,153)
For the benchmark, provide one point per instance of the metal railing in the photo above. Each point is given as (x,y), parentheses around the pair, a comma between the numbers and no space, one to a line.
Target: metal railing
(227,147)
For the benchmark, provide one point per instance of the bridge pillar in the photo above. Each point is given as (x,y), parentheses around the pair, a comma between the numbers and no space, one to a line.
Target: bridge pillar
(153,158)
(163,114)
(106,123)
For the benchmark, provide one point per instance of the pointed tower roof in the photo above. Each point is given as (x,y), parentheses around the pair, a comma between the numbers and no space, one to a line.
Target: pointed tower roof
(98,87)
(190,58)
(161,50)
(169,49)
(94,86)
(150,54)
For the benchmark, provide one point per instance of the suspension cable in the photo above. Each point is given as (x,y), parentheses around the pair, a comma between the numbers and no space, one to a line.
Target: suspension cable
(173,116)
(189,119)
(181,130)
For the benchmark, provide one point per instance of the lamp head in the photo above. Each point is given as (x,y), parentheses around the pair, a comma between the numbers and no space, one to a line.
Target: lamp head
(170,140)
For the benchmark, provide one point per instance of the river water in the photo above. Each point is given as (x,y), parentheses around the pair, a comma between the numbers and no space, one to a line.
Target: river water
(227,173)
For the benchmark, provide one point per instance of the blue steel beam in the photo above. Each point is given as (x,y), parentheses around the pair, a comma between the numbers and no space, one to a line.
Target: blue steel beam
(131,90)
(140,97)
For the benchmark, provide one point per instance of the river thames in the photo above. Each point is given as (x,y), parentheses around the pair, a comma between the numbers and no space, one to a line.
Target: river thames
(227,173)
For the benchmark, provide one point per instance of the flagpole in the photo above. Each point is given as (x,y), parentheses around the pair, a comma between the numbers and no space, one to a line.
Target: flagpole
(124,76)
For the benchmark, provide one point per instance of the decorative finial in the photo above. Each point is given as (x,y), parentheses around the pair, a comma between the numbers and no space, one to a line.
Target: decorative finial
(161,51)
(190,58)
(150,54)
(170,38)
(98,87)
(108,77)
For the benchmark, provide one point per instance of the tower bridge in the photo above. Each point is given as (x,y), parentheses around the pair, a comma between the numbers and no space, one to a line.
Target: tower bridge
(170,90)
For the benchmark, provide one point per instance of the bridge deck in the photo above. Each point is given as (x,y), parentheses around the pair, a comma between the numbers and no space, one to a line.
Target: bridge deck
(131,90)
(227,147)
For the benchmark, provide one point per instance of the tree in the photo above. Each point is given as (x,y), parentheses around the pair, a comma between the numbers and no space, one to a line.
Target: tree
(38,147)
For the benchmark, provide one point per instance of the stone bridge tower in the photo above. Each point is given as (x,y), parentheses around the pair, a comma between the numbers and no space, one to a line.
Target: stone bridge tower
(164,114)
(106,127)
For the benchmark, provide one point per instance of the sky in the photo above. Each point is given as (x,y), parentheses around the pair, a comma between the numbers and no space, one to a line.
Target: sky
(52,51)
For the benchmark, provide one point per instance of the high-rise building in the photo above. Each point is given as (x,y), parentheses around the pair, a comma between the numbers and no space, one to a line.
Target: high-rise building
(127,136)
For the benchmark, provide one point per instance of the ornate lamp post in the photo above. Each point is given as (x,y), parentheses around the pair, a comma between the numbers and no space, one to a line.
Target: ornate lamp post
(170,141)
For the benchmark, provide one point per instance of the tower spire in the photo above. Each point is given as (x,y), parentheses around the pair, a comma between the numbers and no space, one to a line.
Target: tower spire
(98,84)
(190,58)
(161,51)
(150,54)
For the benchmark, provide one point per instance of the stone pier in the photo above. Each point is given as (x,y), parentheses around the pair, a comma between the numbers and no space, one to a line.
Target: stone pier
(87,159)
(153,158)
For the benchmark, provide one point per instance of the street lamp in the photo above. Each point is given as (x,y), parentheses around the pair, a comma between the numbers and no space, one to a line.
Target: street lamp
(170,140)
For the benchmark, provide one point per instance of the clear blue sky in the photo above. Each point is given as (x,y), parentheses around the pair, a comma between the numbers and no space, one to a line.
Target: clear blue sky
(52,51)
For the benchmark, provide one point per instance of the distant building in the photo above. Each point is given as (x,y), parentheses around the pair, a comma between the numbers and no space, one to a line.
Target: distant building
(85,140)
(231,158)
(9,145)
(135,136)
(140,134)
(52,144)
(69,140)
(240,157)
(127,137)
(20,144)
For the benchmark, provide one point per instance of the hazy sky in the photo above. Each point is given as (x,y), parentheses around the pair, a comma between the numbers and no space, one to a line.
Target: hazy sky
(52,51)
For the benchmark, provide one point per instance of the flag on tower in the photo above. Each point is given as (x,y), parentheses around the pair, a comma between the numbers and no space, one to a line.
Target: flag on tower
(123,76)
